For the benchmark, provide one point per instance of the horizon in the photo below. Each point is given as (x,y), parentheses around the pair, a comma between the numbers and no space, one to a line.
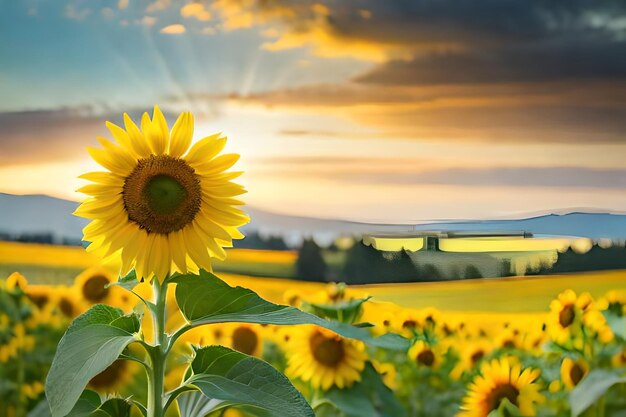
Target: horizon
(364,111)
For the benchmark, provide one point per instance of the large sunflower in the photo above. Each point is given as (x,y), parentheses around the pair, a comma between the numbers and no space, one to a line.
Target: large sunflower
(501,379)
(325,358)
(162,205)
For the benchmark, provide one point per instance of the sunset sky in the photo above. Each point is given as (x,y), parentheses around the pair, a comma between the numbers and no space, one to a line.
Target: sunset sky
(392,111)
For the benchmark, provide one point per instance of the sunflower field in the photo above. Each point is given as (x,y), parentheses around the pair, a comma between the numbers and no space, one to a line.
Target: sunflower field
(570,361)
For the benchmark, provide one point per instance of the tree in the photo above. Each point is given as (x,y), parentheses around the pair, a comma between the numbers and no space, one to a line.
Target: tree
(471,272)
(310,265)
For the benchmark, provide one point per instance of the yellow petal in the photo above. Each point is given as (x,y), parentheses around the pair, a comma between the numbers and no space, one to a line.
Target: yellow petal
(101,177)
(182,132)
(205,149)
(138,141)
(122,138)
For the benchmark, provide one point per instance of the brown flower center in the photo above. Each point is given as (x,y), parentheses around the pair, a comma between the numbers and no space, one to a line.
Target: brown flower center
(162,194)
(567,315)
(109,376)
(327,350)
(94,288)
(501,392)
(67,307)
(576,374)
(426,358)
(245,340)
(476,356)
(40,300)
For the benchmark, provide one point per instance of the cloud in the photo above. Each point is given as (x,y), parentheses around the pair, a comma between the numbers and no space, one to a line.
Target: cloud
(564,112)
(147,21)
(414,171)
(175,29)
(45,135)
(195,10)
(534,62)
(158,5)
(74,13)
(122,4)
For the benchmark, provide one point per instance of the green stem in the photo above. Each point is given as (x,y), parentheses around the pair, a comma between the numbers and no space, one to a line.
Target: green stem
(158,353)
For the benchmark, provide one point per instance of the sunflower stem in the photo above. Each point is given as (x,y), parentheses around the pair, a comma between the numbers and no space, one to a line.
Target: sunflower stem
(158,353)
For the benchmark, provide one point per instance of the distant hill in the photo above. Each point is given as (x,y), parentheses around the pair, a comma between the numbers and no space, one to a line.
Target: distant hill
(36,214)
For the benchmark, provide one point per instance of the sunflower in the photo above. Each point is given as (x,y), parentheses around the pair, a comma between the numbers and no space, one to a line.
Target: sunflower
(425,355)
(243,337)
(113,378)
(92,284)
(325,358)
(68,302)
(502,379)
(573,371)
(614,301)
(471,355)
(566,312)
(16,281)
(161,206)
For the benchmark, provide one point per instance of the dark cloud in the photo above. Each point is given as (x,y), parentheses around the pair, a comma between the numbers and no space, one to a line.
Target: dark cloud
(533,62)
(38,135)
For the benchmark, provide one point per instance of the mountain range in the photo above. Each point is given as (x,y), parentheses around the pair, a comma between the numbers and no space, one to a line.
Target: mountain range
(39,214)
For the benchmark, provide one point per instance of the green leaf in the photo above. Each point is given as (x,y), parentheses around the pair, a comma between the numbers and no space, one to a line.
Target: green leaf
(345,311)
(368,398)
(206,299)
(91,343)
(590,389)
(617,324)
(89,405)
(231,378)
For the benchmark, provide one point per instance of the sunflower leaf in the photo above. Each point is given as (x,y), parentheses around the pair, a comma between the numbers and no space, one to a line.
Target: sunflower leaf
(230,378)
(91,343)
(206,299)
(590,389)
(368,398)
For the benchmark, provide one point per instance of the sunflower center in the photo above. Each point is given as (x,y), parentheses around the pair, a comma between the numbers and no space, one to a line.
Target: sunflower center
(66,307)
(476,356)
(328,351)
(426,358)
(162,194)
(501,392)
(576,373)
(107,378)
(94,288)
(40,300)
(245,340)
(567,316)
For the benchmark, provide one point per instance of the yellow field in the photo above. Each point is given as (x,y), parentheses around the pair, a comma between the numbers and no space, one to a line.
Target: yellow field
(513,296)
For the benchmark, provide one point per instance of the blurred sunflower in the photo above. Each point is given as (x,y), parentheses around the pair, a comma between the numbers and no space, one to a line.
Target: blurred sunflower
(388,372)
(573,371)
(245,338)
(92,283)
(565,318)
(614,301)
(162,206)
(40,295)
(425,355)
(16,281)
(471,355)
(325,358)
(501,379)
(113,378)
(68,302)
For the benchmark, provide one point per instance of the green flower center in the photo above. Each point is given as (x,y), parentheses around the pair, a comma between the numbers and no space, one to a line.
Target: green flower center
(164,194)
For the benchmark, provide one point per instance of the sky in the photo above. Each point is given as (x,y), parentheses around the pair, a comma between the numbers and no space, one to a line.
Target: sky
(385,111)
